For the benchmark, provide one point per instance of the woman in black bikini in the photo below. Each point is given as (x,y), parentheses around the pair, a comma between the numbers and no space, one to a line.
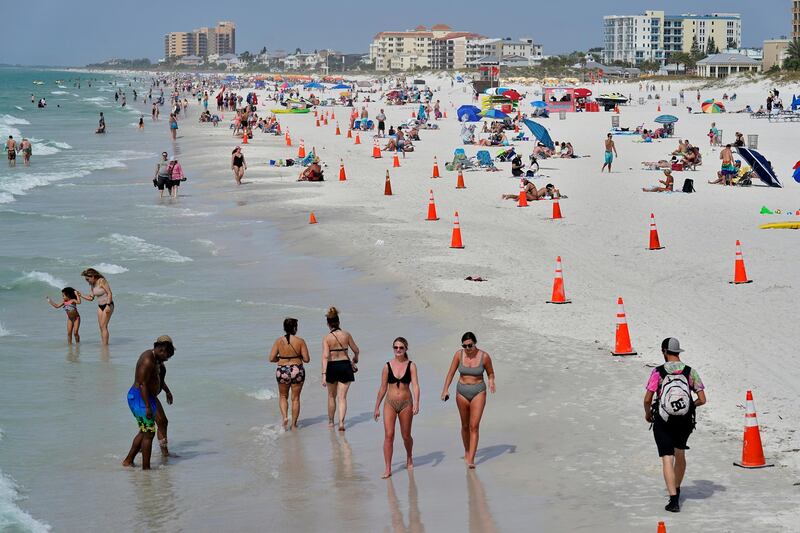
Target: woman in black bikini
(100,290)
(338,371)
(290,352)
(399,403)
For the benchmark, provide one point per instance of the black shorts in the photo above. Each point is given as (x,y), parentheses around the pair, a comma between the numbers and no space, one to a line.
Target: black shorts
(381,126)
(670,436)
(162,182)
(339,372)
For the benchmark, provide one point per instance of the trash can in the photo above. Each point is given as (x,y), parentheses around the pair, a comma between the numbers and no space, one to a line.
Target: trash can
(674,102)
(562,115)
(752,142)
(615,121)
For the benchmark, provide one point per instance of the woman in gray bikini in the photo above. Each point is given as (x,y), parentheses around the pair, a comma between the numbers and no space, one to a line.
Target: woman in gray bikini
(338,371)
(399,403)
(471,363)
(290,352)
(100,290)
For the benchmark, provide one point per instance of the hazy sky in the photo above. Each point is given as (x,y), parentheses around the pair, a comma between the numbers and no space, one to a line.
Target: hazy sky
(76,32)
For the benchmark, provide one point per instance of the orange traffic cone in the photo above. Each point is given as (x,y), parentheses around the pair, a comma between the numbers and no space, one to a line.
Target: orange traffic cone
(312,219)
(662,528)
(435,168)
(338,131)
(333,115)
(522,201)
(556,209)
(516,127)
(288,139)
(659,108)
(455,241)
(358,139)
(622,342)
(326,120)
(413,115)
(395,160)
(349,133)
(315,114)
(654,242)
(244,138)
(752,452)
(616,109)
(444,115)
(342,175)
(376,150)
(301,151)
(558,297)
(739,274)
(460,181)
(432,208)
(317,122)
(387,186)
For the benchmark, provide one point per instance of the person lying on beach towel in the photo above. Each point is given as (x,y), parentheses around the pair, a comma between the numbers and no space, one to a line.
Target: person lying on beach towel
(532,193)
(666,184)
(661,164)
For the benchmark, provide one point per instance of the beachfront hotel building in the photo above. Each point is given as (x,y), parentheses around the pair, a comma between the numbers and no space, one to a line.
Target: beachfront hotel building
(795,19)
(442,48)
(203,42)
(654,36)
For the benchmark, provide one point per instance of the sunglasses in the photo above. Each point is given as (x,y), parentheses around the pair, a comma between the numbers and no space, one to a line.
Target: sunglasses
(468,346)
(399,348)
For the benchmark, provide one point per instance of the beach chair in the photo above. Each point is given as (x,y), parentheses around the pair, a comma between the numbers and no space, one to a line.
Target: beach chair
(460,161)
(307,160)
(485,160)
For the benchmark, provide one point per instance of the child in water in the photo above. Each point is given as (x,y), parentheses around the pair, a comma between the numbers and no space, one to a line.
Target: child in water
(70,305)
(141,122)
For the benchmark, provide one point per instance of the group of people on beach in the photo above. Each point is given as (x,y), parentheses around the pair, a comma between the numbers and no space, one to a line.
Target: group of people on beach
(100,290)
(13,148)
(399,390)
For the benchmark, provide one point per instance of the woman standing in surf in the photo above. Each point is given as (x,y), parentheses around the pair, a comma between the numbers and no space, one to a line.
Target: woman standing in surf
(471,363)
(290,352)
(338,371)
(101,290)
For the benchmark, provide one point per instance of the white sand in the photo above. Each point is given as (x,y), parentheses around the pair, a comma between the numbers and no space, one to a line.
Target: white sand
(571,411)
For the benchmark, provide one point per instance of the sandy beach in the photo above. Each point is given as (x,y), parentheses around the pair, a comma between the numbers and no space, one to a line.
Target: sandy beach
(564,444)
(587,454)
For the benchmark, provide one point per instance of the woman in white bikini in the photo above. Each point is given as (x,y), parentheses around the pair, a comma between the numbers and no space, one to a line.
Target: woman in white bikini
(398,380)
(100,290)
(338,371)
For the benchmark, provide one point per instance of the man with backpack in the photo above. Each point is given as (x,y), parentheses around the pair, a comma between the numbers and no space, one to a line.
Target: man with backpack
(672,414)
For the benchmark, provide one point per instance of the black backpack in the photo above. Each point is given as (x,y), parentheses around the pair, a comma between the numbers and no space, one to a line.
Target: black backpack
(688,185)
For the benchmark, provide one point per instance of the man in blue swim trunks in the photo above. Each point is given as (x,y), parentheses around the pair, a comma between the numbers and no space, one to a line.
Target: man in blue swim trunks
(146,384)
(611,151)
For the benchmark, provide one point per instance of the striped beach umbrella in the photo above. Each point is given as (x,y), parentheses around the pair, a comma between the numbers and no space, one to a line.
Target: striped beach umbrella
(713,106)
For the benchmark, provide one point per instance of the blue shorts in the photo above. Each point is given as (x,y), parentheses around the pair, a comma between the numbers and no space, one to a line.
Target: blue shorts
(139,410)
(609,158)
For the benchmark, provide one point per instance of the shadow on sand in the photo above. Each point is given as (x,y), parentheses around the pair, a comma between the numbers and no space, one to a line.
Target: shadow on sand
(490,452)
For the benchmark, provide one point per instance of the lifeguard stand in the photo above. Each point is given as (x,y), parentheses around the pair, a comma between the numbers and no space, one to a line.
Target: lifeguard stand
(488,75)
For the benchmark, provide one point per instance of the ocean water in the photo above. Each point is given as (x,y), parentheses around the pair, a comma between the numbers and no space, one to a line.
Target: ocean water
(219,284)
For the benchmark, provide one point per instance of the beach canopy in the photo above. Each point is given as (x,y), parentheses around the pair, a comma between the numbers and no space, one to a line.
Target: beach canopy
(468,113)
(339,86)
(511,94)
(540,132)
(582,93)
(761,167)
(313,85)
(494,113)
(539,103)
(666,119)
(712,106)
(796,173)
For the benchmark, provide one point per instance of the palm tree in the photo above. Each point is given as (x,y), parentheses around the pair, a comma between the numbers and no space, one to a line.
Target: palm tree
(792,61)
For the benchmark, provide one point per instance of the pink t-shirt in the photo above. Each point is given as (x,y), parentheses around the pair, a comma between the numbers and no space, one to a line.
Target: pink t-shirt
(674,367)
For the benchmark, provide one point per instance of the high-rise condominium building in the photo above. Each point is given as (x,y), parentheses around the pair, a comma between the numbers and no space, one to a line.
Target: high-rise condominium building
(654,36)
(203,42)
(795,19)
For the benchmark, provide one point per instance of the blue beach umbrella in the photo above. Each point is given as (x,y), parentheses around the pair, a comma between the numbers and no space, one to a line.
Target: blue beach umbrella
(540,132)
(666,119)
(340,86)
(494,113)
(539,103)
(468,113)
(313,85)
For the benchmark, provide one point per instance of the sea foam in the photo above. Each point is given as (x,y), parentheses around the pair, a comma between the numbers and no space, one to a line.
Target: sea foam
(132,248)
(107,268)
(42,277)
(12,518)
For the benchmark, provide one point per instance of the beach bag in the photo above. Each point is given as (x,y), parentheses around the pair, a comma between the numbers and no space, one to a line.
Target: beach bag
(688,185)
(674,401)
